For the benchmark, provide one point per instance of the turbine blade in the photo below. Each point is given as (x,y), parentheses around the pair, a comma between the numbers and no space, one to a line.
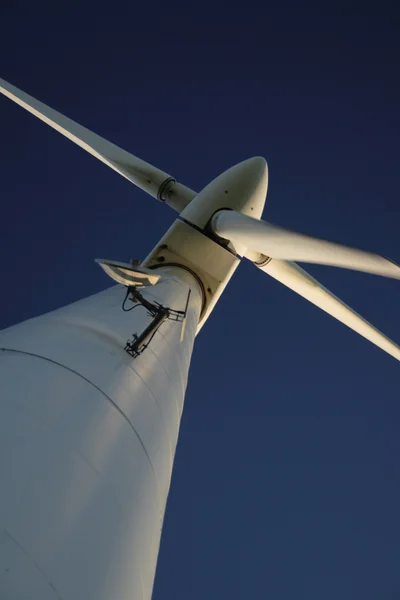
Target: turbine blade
(303,284)
(276,242)
(155,182)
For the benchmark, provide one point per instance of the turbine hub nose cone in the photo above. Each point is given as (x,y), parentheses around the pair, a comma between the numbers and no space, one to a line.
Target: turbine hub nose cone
(242,188)
(256,165)
(255,173)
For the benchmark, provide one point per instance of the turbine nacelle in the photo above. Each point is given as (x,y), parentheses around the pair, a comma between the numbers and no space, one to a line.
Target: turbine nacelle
(190,244)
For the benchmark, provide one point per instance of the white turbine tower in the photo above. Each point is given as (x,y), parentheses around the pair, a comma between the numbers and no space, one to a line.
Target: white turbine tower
(92,394)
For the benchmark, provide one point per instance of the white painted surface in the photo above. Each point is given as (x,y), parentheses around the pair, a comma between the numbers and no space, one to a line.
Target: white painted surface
(303,284)
(276,242)
(137,171)
(88,434)
(212,263)
(87,440)
(243,187)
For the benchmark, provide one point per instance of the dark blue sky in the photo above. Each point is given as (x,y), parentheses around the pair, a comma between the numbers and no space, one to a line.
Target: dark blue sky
(286,481)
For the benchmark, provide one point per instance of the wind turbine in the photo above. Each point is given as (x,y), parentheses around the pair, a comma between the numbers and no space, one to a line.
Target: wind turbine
(92,393)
